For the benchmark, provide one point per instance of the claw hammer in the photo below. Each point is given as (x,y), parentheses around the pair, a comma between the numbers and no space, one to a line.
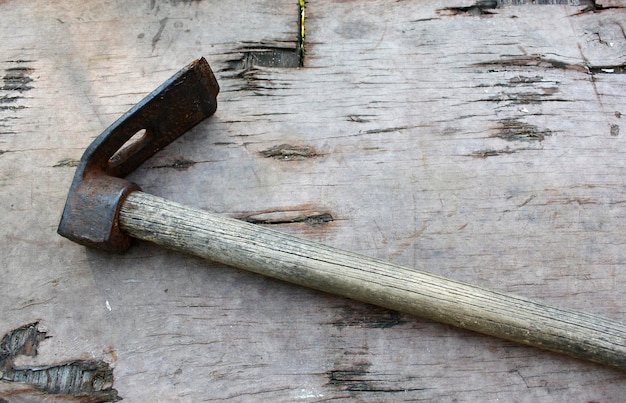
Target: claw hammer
(104,211)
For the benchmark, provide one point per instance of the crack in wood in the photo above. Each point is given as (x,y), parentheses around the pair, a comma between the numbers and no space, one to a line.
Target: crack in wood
(306,214)
(11,107)
(504,3)
(530,61)
(359,118)
(288,152)
(256,81)
(525,81)
(388,129)
(367,316)
(539,93)
(260,55)
(352,378)
(314,220)
(487,7)
(87,380)
(617,69)
(520,80)
(481,7)
(358,377)
(178,164)
(254,56)
(526,97)
(592,6)
(266,56)
(5,99)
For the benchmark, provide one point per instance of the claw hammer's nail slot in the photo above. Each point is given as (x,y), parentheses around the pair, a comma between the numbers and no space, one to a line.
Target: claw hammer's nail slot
(135,144)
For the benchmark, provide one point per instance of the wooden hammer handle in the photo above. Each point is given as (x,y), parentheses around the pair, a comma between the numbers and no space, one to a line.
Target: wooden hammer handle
(310,264)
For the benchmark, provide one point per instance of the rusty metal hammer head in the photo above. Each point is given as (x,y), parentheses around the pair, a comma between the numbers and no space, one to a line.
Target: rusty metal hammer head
(91,211)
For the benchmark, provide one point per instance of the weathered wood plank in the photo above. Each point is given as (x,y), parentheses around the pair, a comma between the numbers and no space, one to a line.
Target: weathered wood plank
(481,144)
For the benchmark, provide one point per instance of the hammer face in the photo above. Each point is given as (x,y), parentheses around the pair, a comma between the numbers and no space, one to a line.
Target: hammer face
(91,212)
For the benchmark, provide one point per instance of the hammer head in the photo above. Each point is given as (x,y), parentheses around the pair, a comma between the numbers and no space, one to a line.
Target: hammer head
(92,208)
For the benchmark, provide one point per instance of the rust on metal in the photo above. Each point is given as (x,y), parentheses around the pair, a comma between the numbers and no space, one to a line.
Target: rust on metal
(92,208)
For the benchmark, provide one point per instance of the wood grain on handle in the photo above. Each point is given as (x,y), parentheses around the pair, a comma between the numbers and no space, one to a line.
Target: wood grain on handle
(310,264)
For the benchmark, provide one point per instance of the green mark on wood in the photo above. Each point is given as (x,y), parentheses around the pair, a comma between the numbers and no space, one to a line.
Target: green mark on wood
(301,37)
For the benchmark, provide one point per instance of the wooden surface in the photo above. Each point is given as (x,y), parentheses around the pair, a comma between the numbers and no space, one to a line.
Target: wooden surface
(481,144)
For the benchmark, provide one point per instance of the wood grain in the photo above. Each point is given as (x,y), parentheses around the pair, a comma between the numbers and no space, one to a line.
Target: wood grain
(485,145)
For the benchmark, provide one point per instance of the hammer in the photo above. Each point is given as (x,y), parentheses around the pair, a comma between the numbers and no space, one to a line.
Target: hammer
(104,211)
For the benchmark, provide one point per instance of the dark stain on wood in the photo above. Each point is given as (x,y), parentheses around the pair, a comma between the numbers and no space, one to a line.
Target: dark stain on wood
(254,56)
(614,130)
(7,100)
(157,36)
(513,62)
(481,7)
(488,7)
(351,378)
(358,377)
(252,80)
(86,380)
(525,90)
(17,79)
(359,118)
(591,6)
(491,153)
(526,97)
(266,56)
(502,3)
(179,164)
(259,55)
(517,80)
(513,129)
(288,152)
(356,314)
